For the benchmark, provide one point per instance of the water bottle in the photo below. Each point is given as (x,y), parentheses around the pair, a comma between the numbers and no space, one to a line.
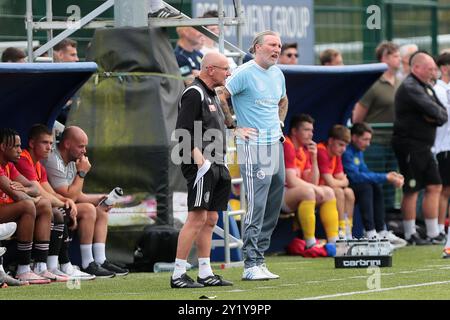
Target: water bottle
(167,266)
(113,197)
(341,248)
(385,247)
(373,248)
(163,266)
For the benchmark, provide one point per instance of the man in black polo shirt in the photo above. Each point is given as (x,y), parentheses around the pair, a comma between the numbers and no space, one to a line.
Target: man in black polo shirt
(417,114)
(208,180)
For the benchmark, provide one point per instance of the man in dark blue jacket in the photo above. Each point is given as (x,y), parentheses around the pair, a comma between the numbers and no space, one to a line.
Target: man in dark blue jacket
(367,185)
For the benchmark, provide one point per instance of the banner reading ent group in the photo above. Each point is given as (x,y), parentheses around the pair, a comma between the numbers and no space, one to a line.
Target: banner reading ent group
(293,19)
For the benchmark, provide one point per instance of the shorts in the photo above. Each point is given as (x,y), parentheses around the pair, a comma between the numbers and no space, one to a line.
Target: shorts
(419,168)
(444,166)
(212,191)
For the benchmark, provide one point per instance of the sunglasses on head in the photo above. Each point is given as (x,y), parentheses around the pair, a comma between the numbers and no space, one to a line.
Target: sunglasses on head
(289,55)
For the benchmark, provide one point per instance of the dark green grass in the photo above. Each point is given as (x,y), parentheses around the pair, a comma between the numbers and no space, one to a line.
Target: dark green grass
(300,278)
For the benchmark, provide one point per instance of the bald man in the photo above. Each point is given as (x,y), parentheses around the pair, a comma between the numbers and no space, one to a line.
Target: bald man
(418,112)
(67,167)
(203,166)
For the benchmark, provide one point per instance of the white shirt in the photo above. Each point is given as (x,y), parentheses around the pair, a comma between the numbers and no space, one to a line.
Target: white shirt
(442,141)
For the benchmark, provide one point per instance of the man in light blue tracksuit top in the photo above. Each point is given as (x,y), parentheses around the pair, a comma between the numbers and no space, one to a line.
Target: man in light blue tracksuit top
(258,93)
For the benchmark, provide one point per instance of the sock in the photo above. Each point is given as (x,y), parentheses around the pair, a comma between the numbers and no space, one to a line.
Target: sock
(86,255)
(409,226)
(23,268)
(342,225)
(40,251)
(180,268)
(307,218)
(56,238)
(99,252)
(24,252)
(155,5)
(64,251)
(329,217)
(204,268)
(349,227)
(52,262)
(432,227)
(1,268)
(441,228)
(371,234)
(39,267)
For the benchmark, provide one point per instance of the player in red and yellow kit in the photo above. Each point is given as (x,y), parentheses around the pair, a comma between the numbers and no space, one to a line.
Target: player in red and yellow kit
(303,191)
(329,158)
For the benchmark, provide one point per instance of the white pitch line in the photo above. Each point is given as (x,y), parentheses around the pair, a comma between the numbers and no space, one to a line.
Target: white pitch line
(375,290)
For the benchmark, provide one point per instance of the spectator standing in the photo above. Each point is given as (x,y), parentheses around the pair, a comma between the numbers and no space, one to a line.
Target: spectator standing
(418,112)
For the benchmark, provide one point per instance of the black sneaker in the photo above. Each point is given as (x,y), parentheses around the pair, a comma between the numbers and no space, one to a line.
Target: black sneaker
(184,282)
(98,271)
(213,281)
(114,268)
(440,239)
(417,240)
(165,13)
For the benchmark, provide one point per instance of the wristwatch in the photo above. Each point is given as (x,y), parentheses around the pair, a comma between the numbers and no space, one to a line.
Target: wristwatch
(81,174)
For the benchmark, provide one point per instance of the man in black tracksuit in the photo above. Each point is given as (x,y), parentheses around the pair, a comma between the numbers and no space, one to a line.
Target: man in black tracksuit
(417,114)
(201,124)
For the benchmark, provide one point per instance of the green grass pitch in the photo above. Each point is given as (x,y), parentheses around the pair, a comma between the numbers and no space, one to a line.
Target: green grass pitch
(417,273)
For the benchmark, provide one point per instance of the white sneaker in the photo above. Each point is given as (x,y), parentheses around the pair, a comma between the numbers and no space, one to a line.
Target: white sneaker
(2,251)
(395,241)
(254,273)
(74,272)
(7,230)
(266,271)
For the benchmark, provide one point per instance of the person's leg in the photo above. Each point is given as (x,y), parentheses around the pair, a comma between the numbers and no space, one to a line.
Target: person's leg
(274,200)
(329,214)
(349,208)
(430,208)
(444,172)
(203,242)
(42,235)
(56,238)
(304,199)
(24,214)
(443,208)
(340,205)
(86,218)
(100,235)
(408,208)
(364,200)
(189,232)
(379,212)
(257,185)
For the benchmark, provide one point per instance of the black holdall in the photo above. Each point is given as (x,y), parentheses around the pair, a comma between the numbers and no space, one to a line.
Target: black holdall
(158,243)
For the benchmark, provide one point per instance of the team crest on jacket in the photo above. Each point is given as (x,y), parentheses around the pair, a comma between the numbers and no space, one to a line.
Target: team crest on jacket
(430,92)
(260,174)
(356,161)
(206,197)
(212,108)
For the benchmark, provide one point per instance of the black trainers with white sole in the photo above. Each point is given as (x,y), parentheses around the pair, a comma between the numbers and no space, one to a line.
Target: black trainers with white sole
(98,271)
(165,13)
(184,282)
(214,281)
(114,268)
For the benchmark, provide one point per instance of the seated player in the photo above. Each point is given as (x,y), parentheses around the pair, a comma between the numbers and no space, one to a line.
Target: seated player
(303,191)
